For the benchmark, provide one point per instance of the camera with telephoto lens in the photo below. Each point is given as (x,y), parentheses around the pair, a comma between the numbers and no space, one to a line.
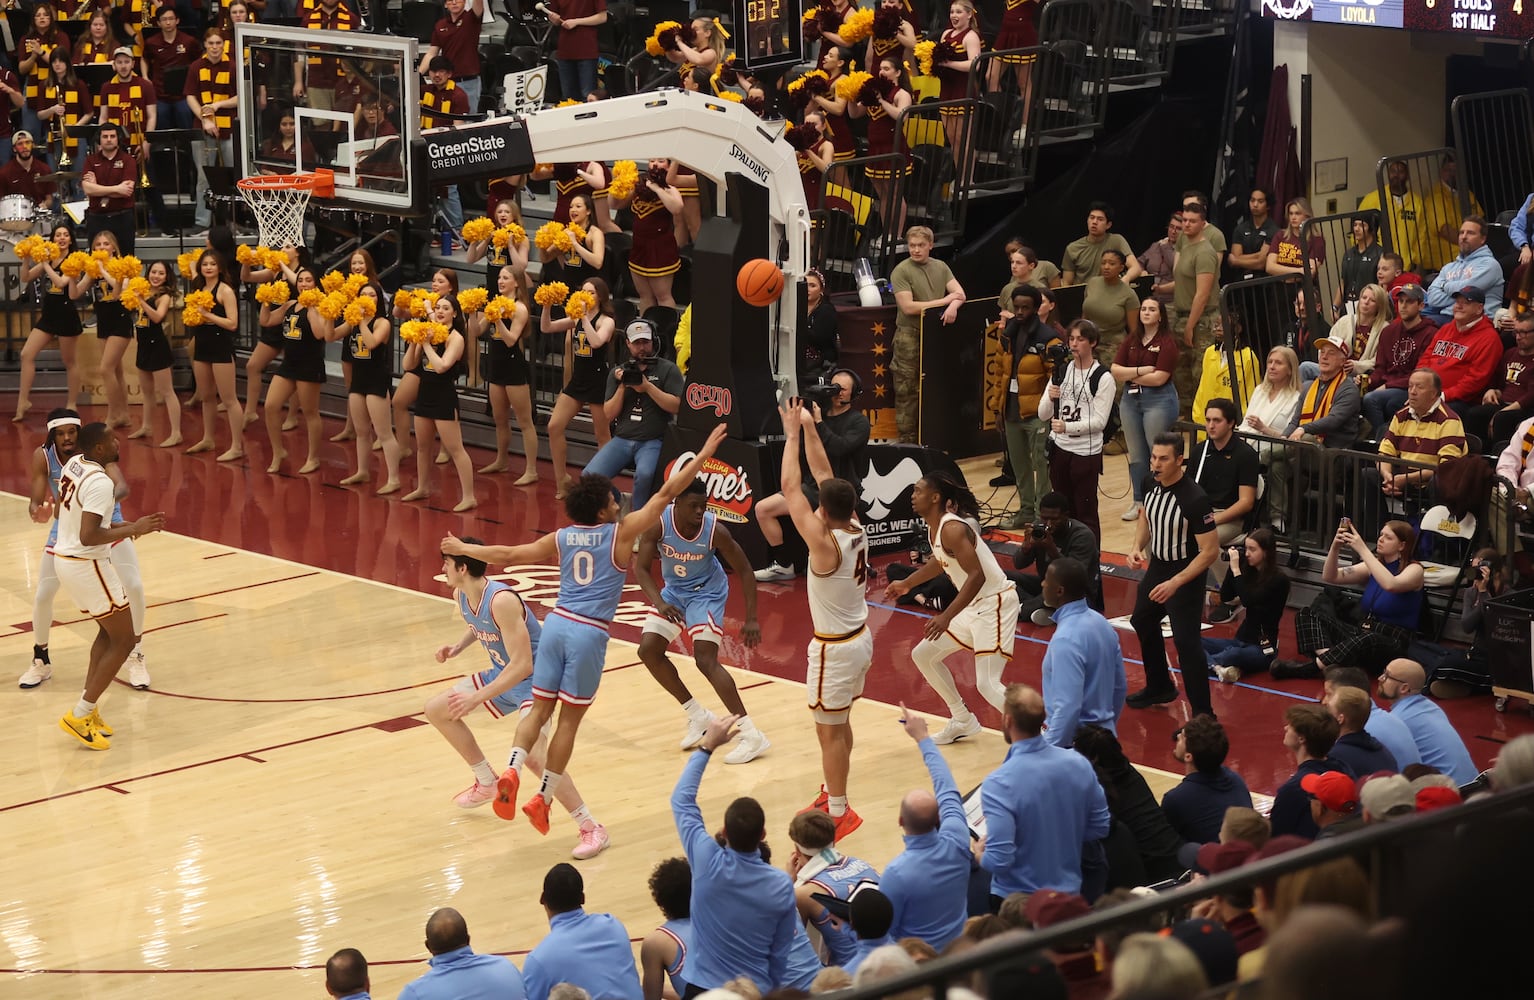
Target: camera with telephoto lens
(632,371)
(1039,530)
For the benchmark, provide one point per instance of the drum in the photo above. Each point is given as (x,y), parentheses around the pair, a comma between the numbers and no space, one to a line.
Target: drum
(16,213)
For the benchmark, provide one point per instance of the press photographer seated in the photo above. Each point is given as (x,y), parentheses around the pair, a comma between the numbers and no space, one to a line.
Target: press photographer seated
(643,394)
(844,432)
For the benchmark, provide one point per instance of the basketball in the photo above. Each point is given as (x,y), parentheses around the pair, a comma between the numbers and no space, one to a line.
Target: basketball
(759,282)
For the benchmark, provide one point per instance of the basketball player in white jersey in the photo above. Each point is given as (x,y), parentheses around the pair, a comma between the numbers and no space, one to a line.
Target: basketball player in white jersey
(842,650)
(84,568)
(982,619)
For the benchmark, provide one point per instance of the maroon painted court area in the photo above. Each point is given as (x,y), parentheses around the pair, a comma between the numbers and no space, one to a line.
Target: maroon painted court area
(314,521)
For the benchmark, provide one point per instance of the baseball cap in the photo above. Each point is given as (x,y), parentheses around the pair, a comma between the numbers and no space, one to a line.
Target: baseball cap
(1050,906)
(122,50)
(22,133)
(1211,944)
(1338,341)
(1333,789)
(1212,859)
(1387,796)
(640,329)
(1470,293)
(1411,290)
(1436,797)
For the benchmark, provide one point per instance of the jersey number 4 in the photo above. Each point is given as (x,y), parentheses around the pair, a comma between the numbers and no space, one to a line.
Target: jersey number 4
(860,568)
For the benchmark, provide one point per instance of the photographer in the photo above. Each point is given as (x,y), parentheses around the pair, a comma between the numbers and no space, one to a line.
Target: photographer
(1035,349)
(844,432)
(1258,582)
(643,394)
(1464,672)
(1078,405)
(1053,536)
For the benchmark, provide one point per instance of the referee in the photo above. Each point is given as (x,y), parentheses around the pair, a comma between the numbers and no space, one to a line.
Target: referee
(1175,543)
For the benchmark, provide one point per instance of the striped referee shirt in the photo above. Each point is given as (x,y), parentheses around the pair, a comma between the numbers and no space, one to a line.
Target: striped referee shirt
(1177,514)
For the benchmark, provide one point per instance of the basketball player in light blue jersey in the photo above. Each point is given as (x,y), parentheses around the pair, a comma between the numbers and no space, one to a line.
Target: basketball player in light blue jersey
(593,555)
(500,622)
(663,954)
(693,596)
(47,465)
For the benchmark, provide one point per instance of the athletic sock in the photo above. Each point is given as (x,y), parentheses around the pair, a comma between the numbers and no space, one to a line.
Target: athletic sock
(780,555)
(517,758)
(837,804)
(484,774)
(747,727)
(40,652)
(550,784)
(694,710)
(84,708)
(583,817)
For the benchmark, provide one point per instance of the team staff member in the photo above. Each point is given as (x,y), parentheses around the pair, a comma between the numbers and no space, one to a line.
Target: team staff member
(1226,468)
(109,177)
(456,36)
(1175,543)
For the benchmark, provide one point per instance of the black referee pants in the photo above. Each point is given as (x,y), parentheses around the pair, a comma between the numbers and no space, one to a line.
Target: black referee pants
(1186,610)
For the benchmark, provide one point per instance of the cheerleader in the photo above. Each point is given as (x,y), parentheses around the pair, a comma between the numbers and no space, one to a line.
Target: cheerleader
(153,358)
(894,33)
(436,406)
(444,284)
(1019,30)
(815,158)
(508,376)
(568,183)
(587,383)
(963,37)
(302,371)
(583,260)
(508,188)
(114,328)
(269,339)
(367,391)
(706,48)
(830,39)
(597,178)
(690,219)
(892,98)
(360,262)
(213,354)
(506,213)
(58,318)
(833,109)
(654,260)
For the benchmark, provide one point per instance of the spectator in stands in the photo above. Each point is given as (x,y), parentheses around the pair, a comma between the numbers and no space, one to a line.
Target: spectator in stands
(1405,219)
(870,916)
(443,95)
(1290,252)
(1111,302)
(1196,806)
(1514,465)
(1075,960)
(663,954)
(1515,764)
(1258,588)
(1026,269)
(1227,468)
(743,908)
(1362,753)
(1159,257)
(1475,268)
(576,54)
(1309,732)
(1231,909)
(21,172)
(1510,397)
(1063,536)
(1131,802)
(1213,946)
(1387,614)
(920,283)
(589,950)
(1327,411)
(1043,806)
(1385,797)
(1401,344)
(1328,953)
(1252,236)
(1145,366)
(819,346)
(1148,965)
(1078,405)
(456,36)
(1438,744)
(168,49)
(641,400)
(1390,731)
(1392,274)
(819,868)
(1333,803)
(1517,299)
(1424,431)
(1273,401)
(1212,232)
(1084,257)
(455,970)
(927,882)
(1360,263)
(1032,347)
(1195,298)
(1444,209)
(346,975)
(1362,325)
(1083,668)
(1465,351)
(1519,231)
(315,78)
(1226,374)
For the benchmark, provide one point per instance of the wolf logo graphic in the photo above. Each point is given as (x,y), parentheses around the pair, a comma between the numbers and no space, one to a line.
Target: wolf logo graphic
(880,491)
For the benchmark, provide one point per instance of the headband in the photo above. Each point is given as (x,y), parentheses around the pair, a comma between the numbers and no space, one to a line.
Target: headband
(63,422)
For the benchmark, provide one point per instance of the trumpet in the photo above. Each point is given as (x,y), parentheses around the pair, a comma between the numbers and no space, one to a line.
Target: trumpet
(56,137)
(136,122)
(146,21)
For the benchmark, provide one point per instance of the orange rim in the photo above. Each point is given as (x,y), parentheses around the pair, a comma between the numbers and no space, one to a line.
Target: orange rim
(321,182)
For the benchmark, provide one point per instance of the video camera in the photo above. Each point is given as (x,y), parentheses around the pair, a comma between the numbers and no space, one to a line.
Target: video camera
(819,389)
(632,371)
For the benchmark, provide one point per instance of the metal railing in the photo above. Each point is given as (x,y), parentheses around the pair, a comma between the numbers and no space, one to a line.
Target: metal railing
(1496,132)
(1077,29)
(934,190)
(1323,282)
(1260,312)
(1203,18)
(1415,222)
(860,217)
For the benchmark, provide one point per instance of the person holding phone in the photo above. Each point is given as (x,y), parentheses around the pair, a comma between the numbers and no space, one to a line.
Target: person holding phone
(1258,589)
(1468,671)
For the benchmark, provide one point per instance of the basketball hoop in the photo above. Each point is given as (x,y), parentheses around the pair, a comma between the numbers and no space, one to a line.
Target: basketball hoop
(279,201)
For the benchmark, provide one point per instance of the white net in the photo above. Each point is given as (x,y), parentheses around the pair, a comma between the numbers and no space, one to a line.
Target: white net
(279,213)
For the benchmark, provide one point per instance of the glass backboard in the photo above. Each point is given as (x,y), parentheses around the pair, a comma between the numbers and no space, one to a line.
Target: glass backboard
(354,113)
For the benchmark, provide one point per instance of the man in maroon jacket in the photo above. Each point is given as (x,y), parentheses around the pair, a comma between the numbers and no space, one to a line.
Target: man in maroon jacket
(1510,399)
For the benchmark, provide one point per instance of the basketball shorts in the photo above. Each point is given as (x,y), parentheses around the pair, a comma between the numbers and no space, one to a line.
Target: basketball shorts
(988,624)
(837,668)
(502,705)
(702,613)
(92,583)
(569,660)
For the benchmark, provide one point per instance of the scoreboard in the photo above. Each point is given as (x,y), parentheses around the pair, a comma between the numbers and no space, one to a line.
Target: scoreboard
(1492,18)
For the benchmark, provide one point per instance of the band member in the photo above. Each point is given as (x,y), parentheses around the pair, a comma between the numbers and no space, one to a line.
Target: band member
(21,174)
(167,49)
(131,101)
(211,96)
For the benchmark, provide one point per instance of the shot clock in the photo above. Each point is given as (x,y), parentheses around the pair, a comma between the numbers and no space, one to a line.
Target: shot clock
(768,33)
